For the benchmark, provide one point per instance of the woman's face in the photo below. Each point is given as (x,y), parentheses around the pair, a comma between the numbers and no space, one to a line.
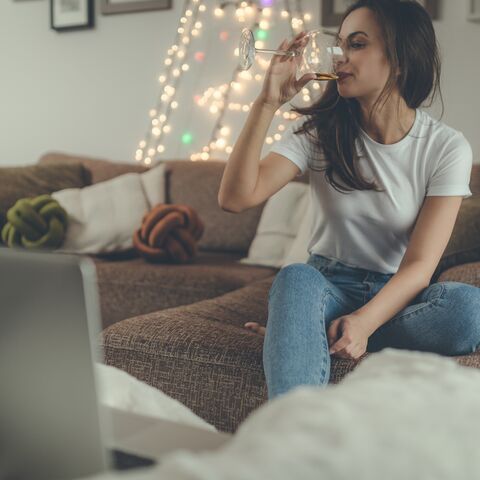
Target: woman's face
(364,57)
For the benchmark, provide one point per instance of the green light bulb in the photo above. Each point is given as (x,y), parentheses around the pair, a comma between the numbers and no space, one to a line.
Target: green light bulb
(187,138)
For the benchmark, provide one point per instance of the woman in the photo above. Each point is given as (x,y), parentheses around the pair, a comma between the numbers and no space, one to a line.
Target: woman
(387,182)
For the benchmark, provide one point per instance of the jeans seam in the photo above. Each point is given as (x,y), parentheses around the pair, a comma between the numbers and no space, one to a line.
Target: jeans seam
(323,367)
(341,301)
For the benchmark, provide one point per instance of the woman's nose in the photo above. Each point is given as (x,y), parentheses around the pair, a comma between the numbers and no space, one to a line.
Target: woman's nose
(338,56)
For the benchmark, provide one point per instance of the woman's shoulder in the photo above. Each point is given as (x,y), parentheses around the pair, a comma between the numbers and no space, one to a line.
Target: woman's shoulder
(439,133)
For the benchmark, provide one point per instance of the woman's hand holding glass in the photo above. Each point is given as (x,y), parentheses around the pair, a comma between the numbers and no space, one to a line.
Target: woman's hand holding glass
(280,84)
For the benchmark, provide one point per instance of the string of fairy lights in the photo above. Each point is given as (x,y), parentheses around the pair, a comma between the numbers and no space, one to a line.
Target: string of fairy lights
(218,100)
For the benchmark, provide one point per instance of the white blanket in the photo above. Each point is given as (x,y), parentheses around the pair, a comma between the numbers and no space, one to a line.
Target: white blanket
(400,415)
(118,389)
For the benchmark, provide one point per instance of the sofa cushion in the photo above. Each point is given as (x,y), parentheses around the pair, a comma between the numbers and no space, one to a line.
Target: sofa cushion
(464,244)
(224,231)
(466,273)
(132,287)
(100,169)
(278,226)
(34,180)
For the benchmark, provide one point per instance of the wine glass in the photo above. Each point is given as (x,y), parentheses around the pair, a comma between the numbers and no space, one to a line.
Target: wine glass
(319,56)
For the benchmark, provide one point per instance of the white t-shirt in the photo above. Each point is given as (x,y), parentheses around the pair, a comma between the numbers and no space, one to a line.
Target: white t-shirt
(369,229)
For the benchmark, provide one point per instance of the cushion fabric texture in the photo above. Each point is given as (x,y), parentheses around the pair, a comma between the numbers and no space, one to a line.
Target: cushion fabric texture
(104,216)
(132,286)
(99,169)
(464,244)
(34,180)
(169,234)
(224,231)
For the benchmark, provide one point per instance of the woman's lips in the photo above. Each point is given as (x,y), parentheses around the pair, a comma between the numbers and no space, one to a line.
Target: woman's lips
(342,76)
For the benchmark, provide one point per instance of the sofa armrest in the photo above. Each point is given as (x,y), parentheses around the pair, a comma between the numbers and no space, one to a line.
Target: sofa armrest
(465,273)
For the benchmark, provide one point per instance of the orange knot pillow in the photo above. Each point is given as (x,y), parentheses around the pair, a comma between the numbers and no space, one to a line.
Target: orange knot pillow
(169,234)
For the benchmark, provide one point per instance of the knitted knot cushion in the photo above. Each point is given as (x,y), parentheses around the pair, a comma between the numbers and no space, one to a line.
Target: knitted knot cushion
(38,222)
(169,234)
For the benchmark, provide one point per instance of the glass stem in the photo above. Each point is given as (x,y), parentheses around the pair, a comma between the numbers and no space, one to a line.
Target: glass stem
(289,53)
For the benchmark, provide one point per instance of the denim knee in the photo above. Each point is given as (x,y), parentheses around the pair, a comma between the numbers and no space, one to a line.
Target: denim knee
(463,301)
(296,273)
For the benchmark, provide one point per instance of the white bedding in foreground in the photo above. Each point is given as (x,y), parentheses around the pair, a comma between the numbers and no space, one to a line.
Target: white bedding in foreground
(118,389)
(400,415)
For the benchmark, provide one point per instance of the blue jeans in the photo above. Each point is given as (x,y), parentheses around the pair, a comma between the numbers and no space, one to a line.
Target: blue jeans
(305,298)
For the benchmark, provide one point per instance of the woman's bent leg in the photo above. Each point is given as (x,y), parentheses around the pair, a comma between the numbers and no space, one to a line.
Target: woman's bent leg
(444,319)
(302,303)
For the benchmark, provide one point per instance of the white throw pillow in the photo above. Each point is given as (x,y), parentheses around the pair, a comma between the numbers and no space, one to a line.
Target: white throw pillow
(121,390)
(278,226)
(103,217)
(298,252)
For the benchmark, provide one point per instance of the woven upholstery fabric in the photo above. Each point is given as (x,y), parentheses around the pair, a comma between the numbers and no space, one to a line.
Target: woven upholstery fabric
(100,169)
(224,231)
(131,286)
(466,273)
(202,355)
(169,233)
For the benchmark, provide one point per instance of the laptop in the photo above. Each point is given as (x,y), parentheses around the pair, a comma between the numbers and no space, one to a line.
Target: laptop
(51,424)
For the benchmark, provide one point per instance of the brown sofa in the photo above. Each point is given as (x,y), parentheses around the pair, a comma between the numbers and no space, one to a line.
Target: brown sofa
(180,327)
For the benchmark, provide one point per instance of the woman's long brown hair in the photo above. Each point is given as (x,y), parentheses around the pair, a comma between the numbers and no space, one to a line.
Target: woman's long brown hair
(333,122)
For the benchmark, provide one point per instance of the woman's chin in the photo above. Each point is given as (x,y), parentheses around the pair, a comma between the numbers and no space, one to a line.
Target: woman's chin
(345,93)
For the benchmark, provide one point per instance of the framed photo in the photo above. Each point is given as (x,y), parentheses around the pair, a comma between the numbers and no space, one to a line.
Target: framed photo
(71,14)
(474,11)
(333,10)
(129,6)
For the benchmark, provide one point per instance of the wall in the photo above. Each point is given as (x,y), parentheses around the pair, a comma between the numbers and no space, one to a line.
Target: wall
(89,92)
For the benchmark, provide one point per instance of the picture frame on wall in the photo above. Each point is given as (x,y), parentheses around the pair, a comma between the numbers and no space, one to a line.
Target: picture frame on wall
(68,15)
(474,11)
(129,6)
(333,10)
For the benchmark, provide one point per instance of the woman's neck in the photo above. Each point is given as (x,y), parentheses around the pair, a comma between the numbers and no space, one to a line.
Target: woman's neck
(390,123)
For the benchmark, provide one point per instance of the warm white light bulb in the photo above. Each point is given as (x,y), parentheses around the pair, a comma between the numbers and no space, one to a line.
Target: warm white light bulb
(225,131)
(156,131)
(167,129)
(160,149)
(269,140)
(151,151)
(147,161)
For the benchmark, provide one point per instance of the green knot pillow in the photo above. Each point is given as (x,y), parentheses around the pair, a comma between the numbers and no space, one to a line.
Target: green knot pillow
(38,222)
